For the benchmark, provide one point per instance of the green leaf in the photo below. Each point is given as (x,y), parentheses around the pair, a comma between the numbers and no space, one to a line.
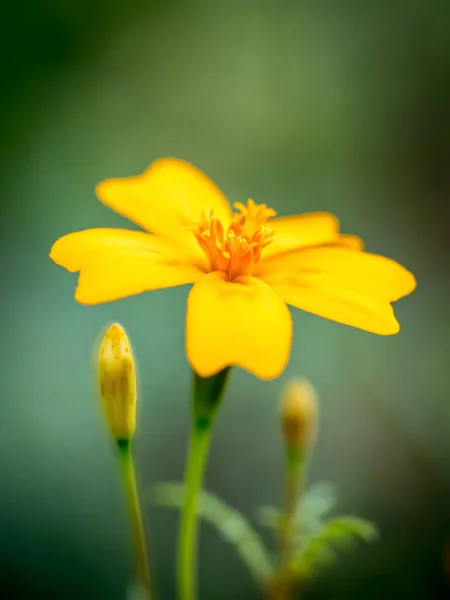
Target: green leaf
(137,592)
(269,516)
(321,547)
(316,503)
(231,525)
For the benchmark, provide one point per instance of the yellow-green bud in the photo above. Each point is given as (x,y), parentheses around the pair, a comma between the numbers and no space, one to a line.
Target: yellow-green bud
(299,413)
(117,381)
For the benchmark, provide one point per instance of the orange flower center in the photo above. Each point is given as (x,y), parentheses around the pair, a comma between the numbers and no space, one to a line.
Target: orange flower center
(235,251)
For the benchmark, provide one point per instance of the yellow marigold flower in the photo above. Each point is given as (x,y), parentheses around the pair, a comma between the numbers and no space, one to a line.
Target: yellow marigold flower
(246,267)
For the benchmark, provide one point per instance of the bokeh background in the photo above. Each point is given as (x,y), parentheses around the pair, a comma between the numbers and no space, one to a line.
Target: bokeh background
(339,106)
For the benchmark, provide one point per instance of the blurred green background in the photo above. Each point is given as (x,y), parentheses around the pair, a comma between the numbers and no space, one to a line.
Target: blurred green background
(339,106)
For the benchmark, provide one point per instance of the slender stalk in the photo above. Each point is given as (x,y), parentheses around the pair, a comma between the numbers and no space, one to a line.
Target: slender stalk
(284,586)
(206,396)
(196,461)
(298,419)
(293,481)
(131,491)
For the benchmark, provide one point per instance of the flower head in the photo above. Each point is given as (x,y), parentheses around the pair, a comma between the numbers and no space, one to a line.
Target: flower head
(246,267)
(299,413)
(117,383)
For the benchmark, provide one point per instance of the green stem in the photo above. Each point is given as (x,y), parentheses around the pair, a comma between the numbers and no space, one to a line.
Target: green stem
(283,586)
(196,461)
(206,397)
(129,481)
(294,474)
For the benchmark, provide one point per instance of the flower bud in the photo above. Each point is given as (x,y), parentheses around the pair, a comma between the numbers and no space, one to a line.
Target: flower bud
(117,380)
(299,414)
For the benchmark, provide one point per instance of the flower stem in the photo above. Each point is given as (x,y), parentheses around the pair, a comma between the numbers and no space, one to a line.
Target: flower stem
(284,586)
(196,461)
(206,396)
(293,481)
(129,482)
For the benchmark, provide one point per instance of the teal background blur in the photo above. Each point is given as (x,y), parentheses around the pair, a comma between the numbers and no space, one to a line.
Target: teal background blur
(339,106)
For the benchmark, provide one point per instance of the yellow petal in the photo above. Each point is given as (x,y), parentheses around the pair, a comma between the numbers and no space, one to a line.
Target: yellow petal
(115,263)
(346,240)
(167,199)
(243,323)
(74,250)
(309,229)
(339,268)
(118,275)
(349,308)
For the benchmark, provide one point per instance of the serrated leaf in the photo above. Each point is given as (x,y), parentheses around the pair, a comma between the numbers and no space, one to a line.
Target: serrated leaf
(321,547)
(316,503)
(230,524)
(269,516)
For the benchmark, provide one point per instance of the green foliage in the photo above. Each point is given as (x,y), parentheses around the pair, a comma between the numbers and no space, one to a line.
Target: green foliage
(320,547)
(318,540)
(230,524)
(137,592)
(316,503)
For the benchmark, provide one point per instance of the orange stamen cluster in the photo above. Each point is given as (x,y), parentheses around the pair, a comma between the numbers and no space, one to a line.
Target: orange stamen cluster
(234,251)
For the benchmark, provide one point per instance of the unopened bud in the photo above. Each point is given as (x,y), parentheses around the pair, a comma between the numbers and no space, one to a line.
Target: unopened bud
(117,380)
(299,413)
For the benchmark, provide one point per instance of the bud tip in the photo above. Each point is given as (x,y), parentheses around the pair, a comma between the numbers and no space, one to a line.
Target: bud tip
(299,413)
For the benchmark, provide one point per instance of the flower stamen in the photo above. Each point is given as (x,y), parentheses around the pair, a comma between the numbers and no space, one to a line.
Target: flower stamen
(235,251)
